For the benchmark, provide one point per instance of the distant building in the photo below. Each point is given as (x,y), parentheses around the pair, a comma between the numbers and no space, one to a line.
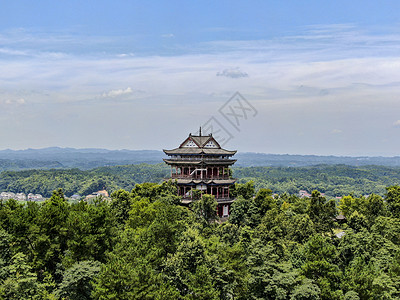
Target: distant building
(304,194)
(21,196)
(10,195)
(340,234)
(75,197)
(35,197)
(7,195)
(102,193)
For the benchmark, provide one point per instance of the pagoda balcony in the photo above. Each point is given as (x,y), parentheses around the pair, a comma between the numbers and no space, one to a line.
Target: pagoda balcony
(219,200)
(181,176)
(194,158)
(199,158)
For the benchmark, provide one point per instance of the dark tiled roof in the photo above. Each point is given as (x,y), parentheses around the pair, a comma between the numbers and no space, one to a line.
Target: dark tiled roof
(201,140)
(199,162)
(193,151)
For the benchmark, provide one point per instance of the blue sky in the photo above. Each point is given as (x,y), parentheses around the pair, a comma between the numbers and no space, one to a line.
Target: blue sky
(323,76)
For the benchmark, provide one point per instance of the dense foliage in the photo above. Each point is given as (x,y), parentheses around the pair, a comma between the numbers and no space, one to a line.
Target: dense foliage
(337,180)
(143,245)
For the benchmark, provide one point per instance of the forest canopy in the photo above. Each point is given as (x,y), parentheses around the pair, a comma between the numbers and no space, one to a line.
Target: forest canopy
(142,244)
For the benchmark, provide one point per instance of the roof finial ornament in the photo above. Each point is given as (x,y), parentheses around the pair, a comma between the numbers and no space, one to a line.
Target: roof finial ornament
(200,131)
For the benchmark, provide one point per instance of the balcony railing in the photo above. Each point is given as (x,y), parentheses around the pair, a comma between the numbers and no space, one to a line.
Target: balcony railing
(197,177)
(199,158)
(219,199)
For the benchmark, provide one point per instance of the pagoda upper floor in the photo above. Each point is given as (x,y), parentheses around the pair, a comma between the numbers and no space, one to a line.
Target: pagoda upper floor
(200,157)
(199,150)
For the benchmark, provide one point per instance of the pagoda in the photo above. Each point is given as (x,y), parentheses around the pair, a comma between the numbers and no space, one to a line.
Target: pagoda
(200,164)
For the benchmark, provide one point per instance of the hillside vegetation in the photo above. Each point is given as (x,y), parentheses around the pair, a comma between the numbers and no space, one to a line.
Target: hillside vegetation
(337,180)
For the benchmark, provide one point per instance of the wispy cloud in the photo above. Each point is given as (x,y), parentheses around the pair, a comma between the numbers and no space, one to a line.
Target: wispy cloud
(124,55)
(117,93)
(7,51)
(336,131)
(232,73)
(13,102)
(168,35)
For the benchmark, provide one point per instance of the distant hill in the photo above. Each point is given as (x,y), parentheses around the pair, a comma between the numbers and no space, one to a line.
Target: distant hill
(286,160)
(89,158)
(66,158)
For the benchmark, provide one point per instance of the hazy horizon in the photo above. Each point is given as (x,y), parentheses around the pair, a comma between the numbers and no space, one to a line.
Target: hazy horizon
(161,150)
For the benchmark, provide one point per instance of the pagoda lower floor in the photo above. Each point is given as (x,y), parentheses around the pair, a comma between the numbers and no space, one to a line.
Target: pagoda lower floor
(220,192)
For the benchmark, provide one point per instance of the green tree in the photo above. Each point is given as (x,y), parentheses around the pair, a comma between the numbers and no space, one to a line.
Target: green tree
(21,282)
(307,290)
(245,190)
(121,205)
(52,233)
(321,212)
(76,283)
(264,200)
(189,268)
(92,232)
(133,269)
(319,265)
(205,209)
(239,210)
(357,221)
(393,200)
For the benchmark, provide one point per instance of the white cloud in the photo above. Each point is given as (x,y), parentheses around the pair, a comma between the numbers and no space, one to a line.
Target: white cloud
(336,131)
(117,93)
(19,101)
(124,55)
(396,123)
(233,73)
(7,51)
(168,35)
